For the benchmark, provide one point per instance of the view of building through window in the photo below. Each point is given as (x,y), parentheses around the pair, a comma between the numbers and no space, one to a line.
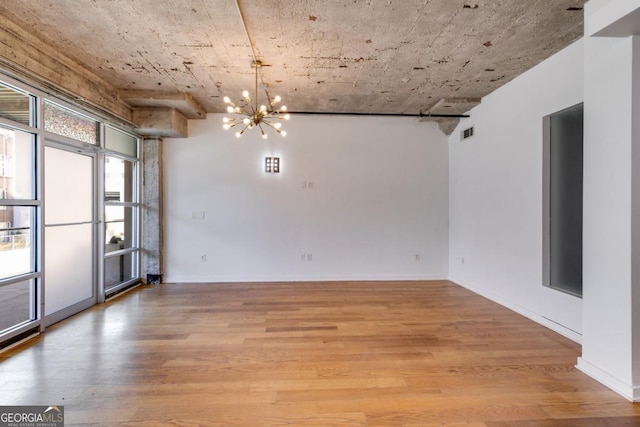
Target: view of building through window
(16,182)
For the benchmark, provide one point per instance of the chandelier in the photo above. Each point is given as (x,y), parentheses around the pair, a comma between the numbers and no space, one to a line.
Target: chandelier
(254,116)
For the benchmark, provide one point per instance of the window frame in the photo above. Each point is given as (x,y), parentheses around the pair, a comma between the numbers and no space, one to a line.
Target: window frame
(34,324)
(136,215)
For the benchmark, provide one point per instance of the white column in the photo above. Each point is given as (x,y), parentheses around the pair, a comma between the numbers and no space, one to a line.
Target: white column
(611,247)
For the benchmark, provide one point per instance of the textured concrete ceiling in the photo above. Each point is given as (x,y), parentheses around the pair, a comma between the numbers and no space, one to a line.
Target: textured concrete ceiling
(342,56)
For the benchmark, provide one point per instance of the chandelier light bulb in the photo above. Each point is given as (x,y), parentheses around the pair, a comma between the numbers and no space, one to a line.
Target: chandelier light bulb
(230,109)
(264,135)
(226,100)
(283,133)
(277,125)
(225,120)
(226,126)
(277,98)
(245,94)
(287,116)
(283,108)
(238,134)
(263,108)
(246,121)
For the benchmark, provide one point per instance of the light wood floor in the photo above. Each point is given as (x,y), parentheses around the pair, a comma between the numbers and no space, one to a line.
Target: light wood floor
(308,354)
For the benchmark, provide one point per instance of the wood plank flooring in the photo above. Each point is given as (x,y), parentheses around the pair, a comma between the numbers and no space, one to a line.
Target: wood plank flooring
(401,354)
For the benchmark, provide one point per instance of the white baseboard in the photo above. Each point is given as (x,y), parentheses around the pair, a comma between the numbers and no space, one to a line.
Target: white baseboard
(168,278)
(627,391)
(556,327)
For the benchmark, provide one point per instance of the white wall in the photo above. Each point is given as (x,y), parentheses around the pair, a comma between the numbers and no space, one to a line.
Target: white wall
(379,197)
(496,193)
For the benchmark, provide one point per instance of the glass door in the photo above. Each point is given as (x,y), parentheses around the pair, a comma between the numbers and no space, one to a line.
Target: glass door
(69,232)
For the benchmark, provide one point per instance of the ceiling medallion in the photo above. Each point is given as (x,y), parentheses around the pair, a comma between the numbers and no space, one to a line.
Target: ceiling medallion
(253,116)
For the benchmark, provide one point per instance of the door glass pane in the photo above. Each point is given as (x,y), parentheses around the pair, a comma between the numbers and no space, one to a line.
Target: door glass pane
(118,228)
(118,180)
(15,105)
(16,241)
(15,304)
(118,269)
(16,164)
(68,265)
(68,186)
(65,122)
(120,142)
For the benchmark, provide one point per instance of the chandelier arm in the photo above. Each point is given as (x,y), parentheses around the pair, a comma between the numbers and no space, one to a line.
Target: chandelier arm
(239,133)
(271,126)
(264,135)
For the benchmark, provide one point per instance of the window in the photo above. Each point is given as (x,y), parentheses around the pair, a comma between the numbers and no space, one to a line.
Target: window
(563,158)
(17,149)
(18,208)
(20,310)
(120,142)
(64,122)
(121,210)
(15,105)
(16,241)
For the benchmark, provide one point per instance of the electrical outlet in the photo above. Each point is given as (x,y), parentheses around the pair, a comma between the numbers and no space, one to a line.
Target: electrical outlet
(303,257)
(203,258)
(418,257)
(309,257)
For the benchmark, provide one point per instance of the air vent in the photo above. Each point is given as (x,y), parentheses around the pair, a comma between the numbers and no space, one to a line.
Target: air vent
(467,133)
